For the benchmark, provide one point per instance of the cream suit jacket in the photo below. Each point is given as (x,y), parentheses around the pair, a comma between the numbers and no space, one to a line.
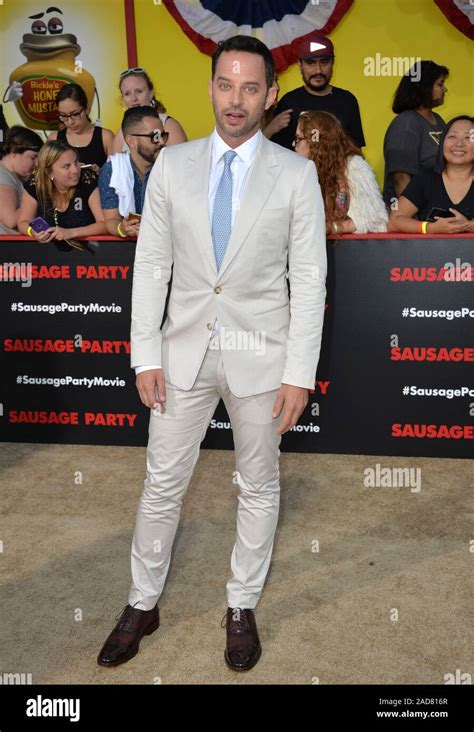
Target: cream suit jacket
(279,232)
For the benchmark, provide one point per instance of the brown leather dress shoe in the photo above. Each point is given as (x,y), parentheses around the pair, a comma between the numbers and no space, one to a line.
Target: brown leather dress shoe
(243,647)
(124,641)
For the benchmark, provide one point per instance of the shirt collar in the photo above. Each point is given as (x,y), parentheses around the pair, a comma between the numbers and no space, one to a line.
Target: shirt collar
(137,174)
(246,151)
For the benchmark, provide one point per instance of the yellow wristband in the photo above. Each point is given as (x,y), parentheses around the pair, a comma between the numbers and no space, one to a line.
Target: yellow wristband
(29,230)
(120,232)
(424,226)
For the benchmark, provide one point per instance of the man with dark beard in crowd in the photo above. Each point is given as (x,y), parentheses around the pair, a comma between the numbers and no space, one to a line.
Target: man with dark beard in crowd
(316,62)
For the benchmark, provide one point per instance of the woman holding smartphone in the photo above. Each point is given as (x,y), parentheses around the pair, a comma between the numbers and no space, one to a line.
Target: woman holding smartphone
(441,201)
(64,195)
(92,143)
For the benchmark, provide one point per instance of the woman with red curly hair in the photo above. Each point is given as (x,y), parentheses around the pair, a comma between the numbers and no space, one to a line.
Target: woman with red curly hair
(352,198)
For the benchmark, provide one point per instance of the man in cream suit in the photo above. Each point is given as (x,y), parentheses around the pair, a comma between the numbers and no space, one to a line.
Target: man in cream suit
(229,216)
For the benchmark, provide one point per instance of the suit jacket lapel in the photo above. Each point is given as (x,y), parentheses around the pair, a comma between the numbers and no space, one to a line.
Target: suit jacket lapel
(197,191)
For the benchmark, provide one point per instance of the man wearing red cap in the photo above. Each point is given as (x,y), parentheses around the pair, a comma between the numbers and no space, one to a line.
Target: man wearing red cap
(316,60)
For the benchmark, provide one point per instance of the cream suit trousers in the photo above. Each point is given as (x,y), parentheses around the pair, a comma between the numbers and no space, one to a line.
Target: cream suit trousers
(173,450)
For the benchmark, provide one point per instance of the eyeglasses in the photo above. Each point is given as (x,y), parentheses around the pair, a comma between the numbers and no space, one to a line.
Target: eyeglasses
(136,70)
(73,115)
(156,136)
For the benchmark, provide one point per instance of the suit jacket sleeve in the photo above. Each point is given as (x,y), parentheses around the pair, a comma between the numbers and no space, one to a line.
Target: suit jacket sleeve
(152,269)
(307,267)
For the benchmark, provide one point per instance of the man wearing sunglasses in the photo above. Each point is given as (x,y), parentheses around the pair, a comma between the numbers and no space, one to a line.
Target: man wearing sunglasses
(124,177)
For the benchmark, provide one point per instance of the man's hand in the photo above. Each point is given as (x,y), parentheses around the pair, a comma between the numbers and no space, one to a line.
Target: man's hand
(130,227)
(293,399)
(152,389)
(278,123)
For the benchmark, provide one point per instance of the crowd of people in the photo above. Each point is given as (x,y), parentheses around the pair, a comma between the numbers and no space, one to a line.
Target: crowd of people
(86,180)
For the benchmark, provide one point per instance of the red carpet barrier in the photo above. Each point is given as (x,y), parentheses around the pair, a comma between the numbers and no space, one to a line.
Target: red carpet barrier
(395,375)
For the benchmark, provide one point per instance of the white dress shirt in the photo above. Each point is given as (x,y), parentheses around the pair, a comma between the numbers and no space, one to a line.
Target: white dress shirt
(240,168)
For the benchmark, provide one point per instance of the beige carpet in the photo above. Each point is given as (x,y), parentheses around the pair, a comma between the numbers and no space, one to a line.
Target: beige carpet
(326,615)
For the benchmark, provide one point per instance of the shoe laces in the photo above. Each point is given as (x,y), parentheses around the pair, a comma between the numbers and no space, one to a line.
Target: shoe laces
(239,620)
(125,617)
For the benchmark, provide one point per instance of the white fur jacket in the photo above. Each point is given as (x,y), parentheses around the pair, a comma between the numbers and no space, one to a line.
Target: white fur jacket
(367,209)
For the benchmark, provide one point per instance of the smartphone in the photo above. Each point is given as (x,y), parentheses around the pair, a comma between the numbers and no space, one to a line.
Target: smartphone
(441,212)
(38,225)
(134,216)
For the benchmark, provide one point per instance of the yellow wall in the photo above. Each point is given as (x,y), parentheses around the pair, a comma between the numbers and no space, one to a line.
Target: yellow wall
(413,28)
(391,28)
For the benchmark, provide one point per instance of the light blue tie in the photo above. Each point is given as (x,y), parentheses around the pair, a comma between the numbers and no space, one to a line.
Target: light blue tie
(222,214)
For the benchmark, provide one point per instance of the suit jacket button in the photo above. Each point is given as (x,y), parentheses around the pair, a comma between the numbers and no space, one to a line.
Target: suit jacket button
(217,290)
(209,326)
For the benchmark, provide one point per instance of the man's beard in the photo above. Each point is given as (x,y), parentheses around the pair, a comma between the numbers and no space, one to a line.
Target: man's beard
(317,85)
(252,122)
(146,154)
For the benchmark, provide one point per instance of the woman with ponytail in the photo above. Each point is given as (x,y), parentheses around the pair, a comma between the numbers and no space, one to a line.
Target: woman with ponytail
(137,90)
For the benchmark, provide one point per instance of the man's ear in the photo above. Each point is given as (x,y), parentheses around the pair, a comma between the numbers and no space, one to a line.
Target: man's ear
(272,94)
(209,89)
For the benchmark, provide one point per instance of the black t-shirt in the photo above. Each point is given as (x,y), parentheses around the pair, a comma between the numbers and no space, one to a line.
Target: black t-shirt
(78,212)
(410,145)
(92,153)
(340,102)
(426,190)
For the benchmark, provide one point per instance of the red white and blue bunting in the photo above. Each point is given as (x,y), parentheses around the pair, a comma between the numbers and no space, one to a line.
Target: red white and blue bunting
(460,13)
(278,23)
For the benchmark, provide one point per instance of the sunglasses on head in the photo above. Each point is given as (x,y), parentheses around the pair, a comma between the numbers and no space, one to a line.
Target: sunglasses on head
(155,136)
(136,70)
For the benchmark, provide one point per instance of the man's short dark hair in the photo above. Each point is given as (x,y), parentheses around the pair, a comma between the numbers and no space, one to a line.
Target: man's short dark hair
(135,115)
(250,45)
